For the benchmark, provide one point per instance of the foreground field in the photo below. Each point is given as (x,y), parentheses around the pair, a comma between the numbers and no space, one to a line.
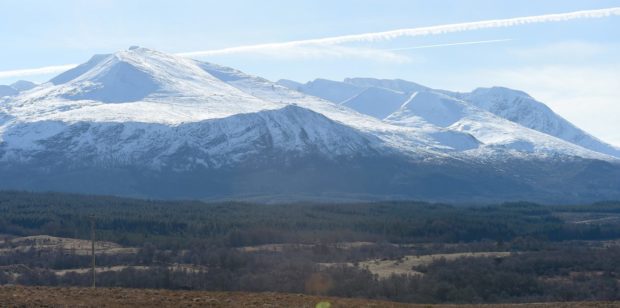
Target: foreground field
(116,297)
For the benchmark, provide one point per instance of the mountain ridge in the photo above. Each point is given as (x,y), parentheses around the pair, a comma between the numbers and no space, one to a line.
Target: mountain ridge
(144,123)
(497,100)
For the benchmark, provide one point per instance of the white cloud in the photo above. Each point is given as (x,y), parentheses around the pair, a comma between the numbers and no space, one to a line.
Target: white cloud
(36,71)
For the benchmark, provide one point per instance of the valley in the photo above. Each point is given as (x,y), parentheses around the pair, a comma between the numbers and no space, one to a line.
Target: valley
(411,252)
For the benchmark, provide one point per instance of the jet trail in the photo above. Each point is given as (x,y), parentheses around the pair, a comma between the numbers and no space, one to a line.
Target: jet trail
(449,44)
(412,32)
(368,37)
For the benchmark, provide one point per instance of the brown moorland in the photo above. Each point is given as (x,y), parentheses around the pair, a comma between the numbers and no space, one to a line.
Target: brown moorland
(19,296)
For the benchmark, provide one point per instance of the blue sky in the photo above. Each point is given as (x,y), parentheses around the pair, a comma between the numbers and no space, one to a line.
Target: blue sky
(573,66)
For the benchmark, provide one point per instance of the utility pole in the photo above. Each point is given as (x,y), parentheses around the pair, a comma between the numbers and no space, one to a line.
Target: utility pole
(92,250)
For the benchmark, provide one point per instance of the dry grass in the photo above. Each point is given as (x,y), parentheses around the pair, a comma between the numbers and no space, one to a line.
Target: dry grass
(117,268)
(386,268)
(288,246)
(274,247)
(17,296)
(70,245)
(116,297)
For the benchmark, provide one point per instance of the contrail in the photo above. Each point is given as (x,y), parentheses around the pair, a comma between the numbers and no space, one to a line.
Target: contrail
(367,37)
(411,32)
(449,44)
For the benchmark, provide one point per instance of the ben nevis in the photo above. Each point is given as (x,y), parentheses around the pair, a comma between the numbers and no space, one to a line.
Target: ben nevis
(144,123)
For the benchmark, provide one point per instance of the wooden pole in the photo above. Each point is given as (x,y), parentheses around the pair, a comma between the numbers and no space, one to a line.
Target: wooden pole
(92,250)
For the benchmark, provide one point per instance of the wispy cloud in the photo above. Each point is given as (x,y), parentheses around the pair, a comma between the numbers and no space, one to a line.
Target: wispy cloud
(36,71)
(449,44)
(336,51)
(330,43)
(412,32)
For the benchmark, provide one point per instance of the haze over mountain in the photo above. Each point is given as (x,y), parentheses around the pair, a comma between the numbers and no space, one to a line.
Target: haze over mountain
(143,123)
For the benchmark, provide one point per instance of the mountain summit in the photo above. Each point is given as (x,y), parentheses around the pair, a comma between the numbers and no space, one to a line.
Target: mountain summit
(144,123)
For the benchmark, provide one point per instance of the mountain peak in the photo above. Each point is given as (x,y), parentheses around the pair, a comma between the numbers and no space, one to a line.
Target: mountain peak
(23,85)
(146,85)
(134,74)
(115,81)
(334,91)
(392,84)
(291,84)
(500,91)
(521,108)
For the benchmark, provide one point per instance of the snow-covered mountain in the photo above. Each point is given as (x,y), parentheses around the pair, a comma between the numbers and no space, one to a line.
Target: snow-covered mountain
(341,91)
(438,109)
(359,94)
(144,123)
(7,91)
(23,85)
(140,107)
(16,87)
(333,91)
(521,108)
(405,140)
(398,85)
(513,105)
(376,102)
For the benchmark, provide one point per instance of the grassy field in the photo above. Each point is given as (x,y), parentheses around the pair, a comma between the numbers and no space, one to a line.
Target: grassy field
(406,264)
(70,245)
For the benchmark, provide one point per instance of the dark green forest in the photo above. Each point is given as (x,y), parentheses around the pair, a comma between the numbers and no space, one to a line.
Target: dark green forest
(569,252)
